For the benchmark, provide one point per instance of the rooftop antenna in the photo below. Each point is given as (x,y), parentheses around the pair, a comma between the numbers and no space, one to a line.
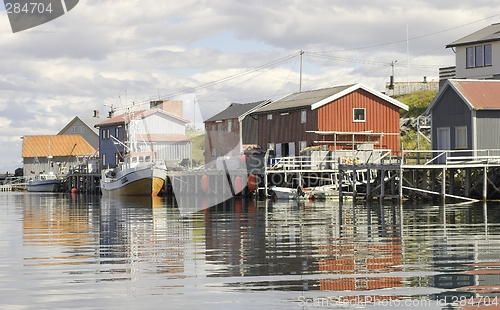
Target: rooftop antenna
(408,57)
(300,82)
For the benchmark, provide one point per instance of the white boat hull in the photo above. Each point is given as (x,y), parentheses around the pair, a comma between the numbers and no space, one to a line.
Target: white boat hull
(147,181)
(44,186)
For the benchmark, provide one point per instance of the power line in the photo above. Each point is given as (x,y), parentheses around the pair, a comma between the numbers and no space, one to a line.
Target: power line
(404,40)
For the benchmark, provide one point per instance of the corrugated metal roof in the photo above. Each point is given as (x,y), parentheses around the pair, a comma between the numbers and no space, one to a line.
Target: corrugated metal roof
(480,94)
(303,99)
(58,145)
(234,110)
(477,94)
(120,119)
(488,34)
(90,121)
(163,137)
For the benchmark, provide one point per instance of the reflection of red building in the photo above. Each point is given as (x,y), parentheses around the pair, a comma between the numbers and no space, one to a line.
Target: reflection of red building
(361,258)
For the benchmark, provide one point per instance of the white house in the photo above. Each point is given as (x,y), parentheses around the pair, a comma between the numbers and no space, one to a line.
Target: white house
(477,55)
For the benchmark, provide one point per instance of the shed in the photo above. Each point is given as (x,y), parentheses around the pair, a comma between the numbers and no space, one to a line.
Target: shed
(465,115)
(232,130)
(313,118)
(54,153)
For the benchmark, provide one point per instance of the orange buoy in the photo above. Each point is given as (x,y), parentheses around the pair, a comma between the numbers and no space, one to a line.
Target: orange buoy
(238,185)
(204,183)
(74,190)
(252,182)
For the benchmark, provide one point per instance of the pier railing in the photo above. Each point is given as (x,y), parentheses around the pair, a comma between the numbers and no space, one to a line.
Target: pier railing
(330,160)
(450,157)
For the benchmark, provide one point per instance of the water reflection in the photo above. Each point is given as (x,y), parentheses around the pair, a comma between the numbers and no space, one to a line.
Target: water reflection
(143,247)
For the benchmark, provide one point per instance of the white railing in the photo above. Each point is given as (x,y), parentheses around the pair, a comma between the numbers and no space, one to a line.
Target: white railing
(329,160)
(450,157)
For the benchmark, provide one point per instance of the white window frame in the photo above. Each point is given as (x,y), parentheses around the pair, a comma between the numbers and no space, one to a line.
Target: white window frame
(354,115)
(269,117)
(229,125)
(302,145)
(303,116)
(461,137)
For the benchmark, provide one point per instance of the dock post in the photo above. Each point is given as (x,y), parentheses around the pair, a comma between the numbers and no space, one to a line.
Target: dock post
(485,183)
(443,186)
(400,184)
(382,184)
(368,184)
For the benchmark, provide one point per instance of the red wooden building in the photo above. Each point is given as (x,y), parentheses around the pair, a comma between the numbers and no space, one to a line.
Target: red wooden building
(337,117)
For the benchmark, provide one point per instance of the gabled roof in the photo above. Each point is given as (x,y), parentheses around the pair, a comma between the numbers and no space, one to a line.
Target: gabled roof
(163,137)
(236,110)
(490,33)
(314,99)
(120,119)
(89,121)
(58,145)
(146,113)
(477,94)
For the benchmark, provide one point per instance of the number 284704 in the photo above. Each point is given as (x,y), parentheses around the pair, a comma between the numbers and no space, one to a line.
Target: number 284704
(28,8)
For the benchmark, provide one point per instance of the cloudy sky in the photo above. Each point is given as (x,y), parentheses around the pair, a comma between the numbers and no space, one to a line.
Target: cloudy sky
(106,52)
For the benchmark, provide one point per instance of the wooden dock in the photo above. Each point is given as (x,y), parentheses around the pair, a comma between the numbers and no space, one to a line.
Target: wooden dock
(415,175)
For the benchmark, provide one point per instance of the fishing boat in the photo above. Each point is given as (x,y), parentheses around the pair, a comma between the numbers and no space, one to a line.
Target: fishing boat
(45,182)
(139,174)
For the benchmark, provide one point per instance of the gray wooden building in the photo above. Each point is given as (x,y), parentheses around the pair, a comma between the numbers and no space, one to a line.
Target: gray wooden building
(465,115)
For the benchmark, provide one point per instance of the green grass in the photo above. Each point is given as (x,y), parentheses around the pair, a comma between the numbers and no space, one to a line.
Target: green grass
(198,140)
(417,102)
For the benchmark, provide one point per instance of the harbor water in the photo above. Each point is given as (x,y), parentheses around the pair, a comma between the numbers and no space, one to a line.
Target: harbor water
(63,251)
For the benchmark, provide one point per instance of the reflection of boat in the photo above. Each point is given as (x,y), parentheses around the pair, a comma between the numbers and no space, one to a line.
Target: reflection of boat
(318,192)
(138,174)
(45,182)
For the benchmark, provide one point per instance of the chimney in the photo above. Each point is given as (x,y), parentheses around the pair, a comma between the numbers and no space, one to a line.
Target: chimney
(96,113)
(391,85)
(425,79)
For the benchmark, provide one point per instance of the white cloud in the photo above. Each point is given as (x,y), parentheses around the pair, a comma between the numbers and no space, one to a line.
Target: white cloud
(104,49)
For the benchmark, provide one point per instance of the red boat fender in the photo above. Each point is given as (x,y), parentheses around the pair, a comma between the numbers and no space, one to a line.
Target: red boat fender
(204,183)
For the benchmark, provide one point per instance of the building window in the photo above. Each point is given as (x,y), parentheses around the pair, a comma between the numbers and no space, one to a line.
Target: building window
(117,131)
(107,133)
(487,55)
(270,146)
(213,127)
(117,158)
(479,56)
(104,160)
(470,57)
(303,116)
(77,129)
(269,117)
(461,137)
(229,125)
(359,115)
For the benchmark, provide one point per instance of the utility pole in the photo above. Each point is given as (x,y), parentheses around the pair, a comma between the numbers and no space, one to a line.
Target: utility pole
(300,82)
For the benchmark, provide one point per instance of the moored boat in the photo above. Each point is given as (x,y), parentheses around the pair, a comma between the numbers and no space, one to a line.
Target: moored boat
(45,182)
(138,175)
